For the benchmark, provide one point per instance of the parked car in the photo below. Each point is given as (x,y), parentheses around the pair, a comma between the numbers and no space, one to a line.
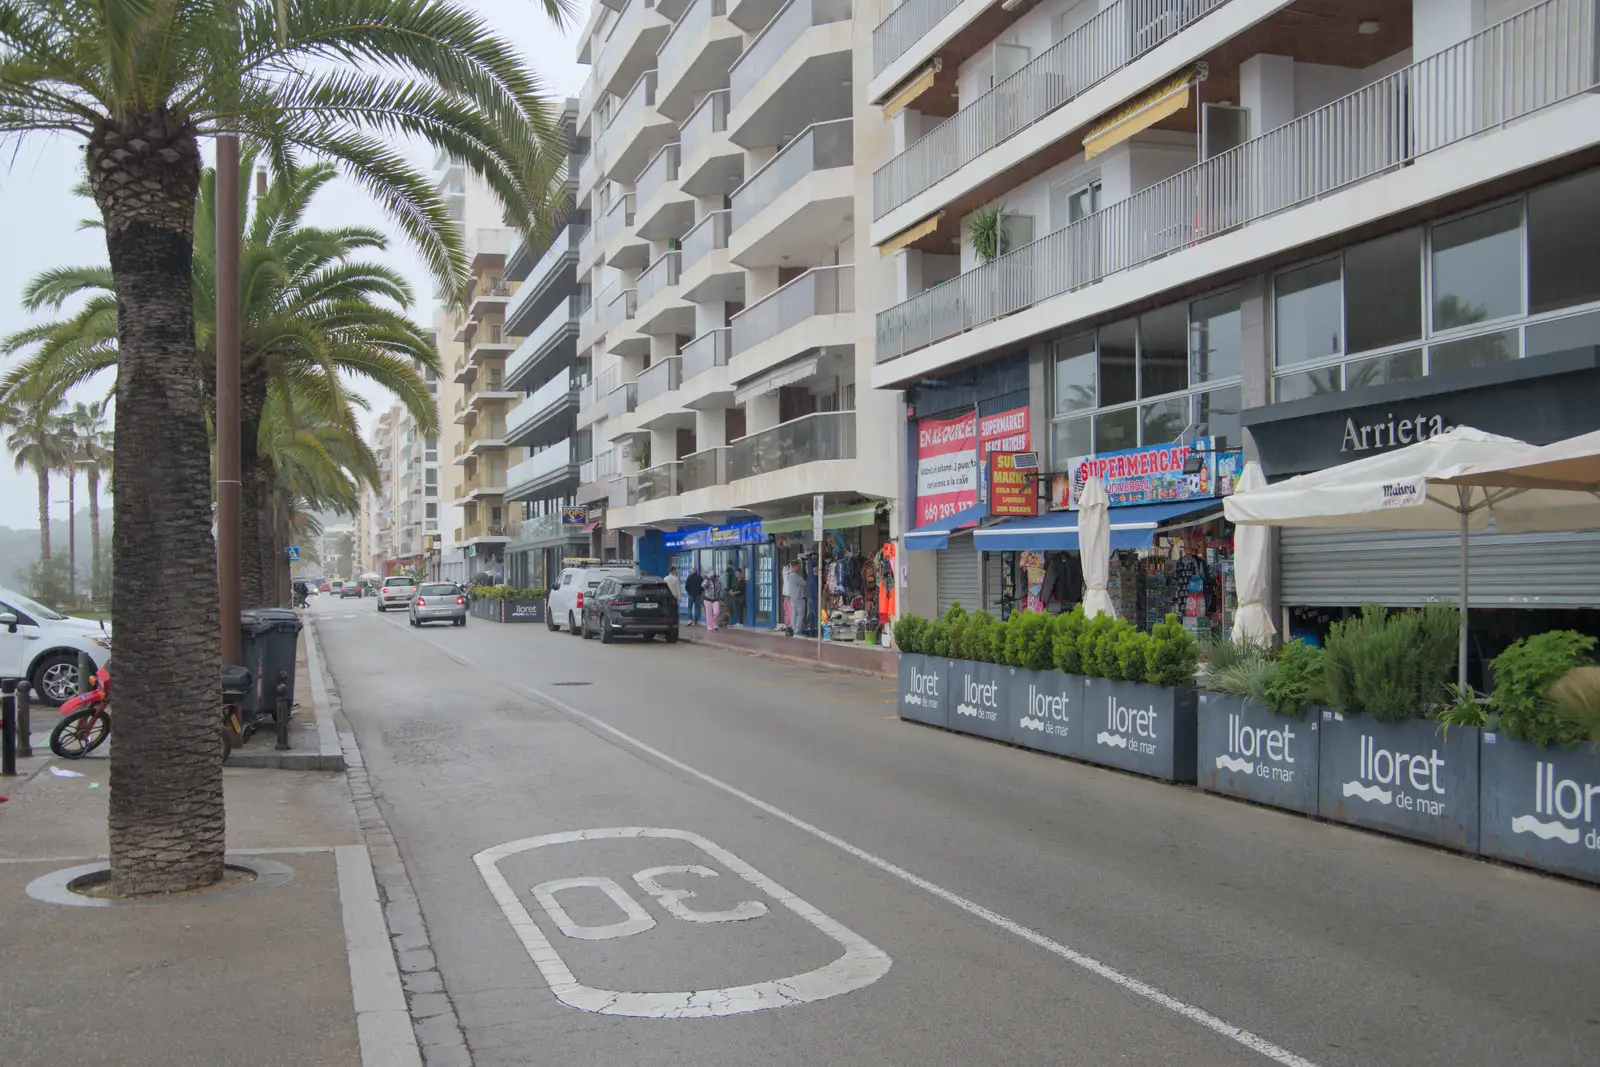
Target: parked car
(41,646)
(564,602)
(635,604)
(396,591)
(439,602)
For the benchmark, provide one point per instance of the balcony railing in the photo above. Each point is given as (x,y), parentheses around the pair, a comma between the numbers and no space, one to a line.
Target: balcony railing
(705,468)
(822,146)
(1542,56)
(617,219)
(620,310)
(820,291)
(681,46)
(904,27)
(786,27)
(1082,59)
(586,243)
(641,96)
(565,245)
(708,350)
(556,391)
(709,234)
(662,168)
(705,121)
(658,277)
(621,400)
(660,482)
(536,345)
(660,378)
(540,465)
(825,435)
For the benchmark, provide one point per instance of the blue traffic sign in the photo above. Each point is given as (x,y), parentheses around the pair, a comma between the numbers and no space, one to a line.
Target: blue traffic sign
(294,552)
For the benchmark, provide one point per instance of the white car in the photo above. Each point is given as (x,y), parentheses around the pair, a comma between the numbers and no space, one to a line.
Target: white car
(41,646)
(396,592)
(564,602)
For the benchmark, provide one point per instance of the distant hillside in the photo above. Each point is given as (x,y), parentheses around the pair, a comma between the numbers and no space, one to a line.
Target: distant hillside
(19,549)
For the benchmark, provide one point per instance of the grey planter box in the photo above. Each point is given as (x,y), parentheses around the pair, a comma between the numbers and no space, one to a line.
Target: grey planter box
(1135,726)
(1046,711)
(980,700)
(1540,807)
(521,611)
(1407,778)
(924,689)
(1248,752)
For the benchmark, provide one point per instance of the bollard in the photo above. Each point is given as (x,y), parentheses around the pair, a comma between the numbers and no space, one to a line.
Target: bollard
(85,672)
(8,728)
(282,714)
(24,720)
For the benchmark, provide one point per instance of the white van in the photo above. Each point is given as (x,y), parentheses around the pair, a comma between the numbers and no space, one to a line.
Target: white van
(564,601)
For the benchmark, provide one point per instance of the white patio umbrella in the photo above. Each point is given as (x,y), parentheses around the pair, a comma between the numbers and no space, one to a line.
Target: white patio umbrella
(1094,545)
(1406,489)
(1564,476)
(1251,561)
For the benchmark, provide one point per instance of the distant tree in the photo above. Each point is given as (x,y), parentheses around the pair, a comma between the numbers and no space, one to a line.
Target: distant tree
(35,441)
(47,581)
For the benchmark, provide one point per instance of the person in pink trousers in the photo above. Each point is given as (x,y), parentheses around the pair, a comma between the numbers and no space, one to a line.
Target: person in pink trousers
(712,592)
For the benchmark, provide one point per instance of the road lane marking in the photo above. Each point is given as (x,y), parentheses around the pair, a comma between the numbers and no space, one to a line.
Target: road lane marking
(861,964)
(1138,987)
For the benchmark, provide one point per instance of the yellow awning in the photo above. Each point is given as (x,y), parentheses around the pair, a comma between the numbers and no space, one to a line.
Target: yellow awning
(1140,114)
(910,91)
(906,236)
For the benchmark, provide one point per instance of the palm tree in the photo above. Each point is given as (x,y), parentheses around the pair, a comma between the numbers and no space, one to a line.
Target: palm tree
(141,82)
(92,451)
(35,441)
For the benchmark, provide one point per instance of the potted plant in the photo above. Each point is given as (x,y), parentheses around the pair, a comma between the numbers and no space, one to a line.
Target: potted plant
(923,676)
(1046,686)
(1383,761)
(1539,788)
(1258,718)
(1139,697)
(979,693)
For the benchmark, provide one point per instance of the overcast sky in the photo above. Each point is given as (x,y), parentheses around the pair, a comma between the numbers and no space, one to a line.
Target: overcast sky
(39,217)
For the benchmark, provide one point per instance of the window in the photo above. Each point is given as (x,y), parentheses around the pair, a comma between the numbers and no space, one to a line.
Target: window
(1215,337)
(1162,422)
(1119,377)
(1383,292)
(1477,268)
(1075,372)
(1164,351)
(1480,351)
(1380,370)
(1563,231)
(430,476)
(1216,414)
(1563,335)
(1015,231)
(1311,383)
(1308,313)
(1116,430)
(1072,201)
(1074,437)
(430,511)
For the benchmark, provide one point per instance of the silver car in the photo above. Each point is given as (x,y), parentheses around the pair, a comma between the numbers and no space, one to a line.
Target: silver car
(397,591)
(439,602)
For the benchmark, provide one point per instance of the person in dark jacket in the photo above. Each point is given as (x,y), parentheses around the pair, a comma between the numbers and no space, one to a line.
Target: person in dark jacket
(695,587)
(736,598)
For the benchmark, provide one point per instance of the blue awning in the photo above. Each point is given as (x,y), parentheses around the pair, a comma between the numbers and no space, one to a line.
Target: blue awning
(1057,531)
(936,534)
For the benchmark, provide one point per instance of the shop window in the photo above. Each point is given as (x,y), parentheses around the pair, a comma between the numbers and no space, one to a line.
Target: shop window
(1563,231)
(1216,414)
(1563,335)
(1073,437)
(1308,313)
(1477,268)
(1383,292)
(1214,337)
(1481,351)
(1116,430)
(1119,378)
(1380,370)
(1310,383)
(1164,351)
(1075,370)
(1163,422)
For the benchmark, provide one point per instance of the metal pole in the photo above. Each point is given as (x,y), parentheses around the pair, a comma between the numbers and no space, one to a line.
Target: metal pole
(24,720)
(72,533)
(85,672)
(282,714)
(8,728)
(1461,666)
(228,475)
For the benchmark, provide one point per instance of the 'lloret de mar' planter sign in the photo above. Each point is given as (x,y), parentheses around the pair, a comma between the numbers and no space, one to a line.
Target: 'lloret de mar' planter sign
(1409,778)
(923,689)
(980,701)
(1046,710)
(1248,752)
(1540,807)
(522,611)
(1135,726)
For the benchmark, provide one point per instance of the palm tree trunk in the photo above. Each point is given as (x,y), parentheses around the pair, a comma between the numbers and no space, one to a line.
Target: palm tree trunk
(255,571)
(91,474)
(166,824)
(44,514)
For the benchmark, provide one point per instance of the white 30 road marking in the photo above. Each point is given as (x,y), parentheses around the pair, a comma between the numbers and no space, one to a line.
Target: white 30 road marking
(861,964)
(1251,1041)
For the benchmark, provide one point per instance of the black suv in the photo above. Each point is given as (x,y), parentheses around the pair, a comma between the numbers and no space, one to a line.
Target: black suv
(631,604)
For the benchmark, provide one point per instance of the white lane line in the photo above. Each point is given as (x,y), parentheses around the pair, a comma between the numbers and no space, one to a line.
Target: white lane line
(1251,1041)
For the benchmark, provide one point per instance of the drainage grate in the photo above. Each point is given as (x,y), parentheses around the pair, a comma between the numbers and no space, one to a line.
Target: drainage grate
(571,683)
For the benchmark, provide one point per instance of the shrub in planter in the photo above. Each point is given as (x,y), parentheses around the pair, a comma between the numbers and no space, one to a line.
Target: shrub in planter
(1577,699)
(937,642)
(1030,641)
(1296,681)
(1523,677)
(1259,737)
(909,633)
(1066,655)
(1391,665)
(1171,654)
(1132,648)
(975,637)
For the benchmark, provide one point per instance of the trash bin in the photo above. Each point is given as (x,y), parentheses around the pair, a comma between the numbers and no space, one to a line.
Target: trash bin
(270,638)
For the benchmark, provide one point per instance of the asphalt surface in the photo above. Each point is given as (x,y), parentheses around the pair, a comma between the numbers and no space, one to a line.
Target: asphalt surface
(959,902)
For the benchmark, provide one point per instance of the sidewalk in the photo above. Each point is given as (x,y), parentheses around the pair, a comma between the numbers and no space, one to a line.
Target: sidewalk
(263,974)
(846,655)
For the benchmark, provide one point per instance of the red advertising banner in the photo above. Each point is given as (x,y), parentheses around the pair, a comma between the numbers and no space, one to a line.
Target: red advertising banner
(1012,492)
(947,466)
(1005,431)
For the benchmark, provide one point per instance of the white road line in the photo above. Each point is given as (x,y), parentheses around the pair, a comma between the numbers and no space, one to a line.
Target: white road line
(1253,1042)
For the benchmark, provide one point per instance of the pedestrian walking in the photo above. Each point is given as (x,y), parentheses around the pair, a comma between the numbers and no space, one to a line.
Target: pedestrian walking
(736,598)
(794,595)
(695,587)
(711,593)
(677,591)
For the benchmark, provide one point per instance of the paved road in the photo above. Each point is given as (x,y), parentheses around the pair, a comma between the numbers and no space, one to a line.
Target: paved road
(958,902)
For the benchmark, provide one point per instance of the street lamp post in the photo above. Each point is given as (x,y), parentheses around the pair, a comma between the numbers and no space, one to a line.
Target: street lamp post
(228,474)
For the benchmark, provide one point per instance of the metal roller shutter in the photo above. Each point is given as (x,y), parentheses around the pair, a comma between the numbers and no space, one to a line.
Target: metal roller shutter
(957,568)
(1332,568)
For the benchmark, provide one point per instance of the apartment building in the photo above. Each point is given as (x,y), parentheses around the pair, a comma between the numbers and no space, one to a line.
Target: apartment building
(1167,230)
(383,538)
(731,368)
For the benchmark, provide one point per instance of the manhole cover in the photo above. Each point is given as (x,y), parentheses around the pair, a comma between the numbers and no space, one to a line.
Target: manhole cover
(571,683)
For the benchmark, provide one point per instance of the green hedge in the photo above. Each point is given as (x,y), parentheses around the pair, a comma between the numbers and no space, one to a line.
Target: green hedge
(505,592)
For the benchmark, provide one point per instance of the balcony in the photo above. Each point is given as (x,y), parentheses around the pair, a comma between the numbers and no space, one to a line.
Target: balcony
(545,417)
(795,72)
(826,435)
(488,437)
(592,398)
(544,475)
(799,206)
(494,345)
(594,476)
(710,349)
(637,131)
(488,482)
(813,311)
(622,248)
(704,469)
(662,311)
(554,343)
(462,371)
(619,310)
(1109,41)
(590,328)
(711,165)
(1508,72)
(485,300)
(665,211)
(630,46)
(551,279)
(659,379)
(696,56)
(653,483)
(487,244)
(622,400)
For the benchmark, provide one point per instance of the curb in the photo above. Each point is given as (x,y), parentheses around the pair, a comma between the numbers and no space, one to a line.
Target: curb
(329,755)
(781,657)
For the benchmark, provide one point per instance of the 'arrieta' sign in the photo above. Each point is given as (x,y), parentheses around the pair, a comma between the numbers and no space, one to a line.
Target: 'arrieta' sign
(1389,432)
